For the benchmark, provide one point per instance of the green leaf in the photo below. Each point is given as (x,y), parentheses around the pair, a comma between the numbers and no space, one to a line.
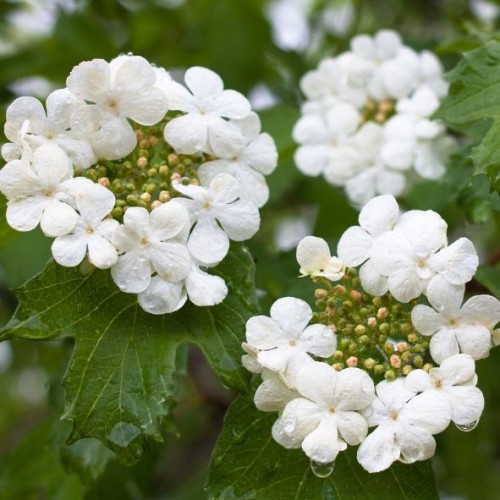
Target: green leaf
(489,276)
(33,471)
(474,95)
(247,463)
(122,375)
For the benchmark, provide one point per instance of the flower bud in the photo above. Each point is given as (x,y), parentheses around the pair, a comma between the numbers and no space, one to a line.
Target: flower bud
(352,361)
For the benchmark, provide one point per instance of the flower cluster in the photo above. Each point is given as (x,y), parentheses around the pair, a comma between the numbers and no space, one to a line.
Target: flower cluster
(390,345)
(366,124)
(139,174)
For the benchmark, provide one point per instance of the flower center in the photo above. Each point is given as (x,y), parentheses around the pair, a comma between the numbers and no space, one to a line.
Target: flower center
(293,343)
(394,415)
(438,383)
(144,242)
(90,229)
(331,409)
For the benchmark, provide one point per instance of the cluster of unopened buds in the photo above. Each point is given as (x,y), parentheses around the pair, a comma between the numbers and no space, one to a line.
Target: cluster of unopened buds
(367,122)
(390,345)
(129,170)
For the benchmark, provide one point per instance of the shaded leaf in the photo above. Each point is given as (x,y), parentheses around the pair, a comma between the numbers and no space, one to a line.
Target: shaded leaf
(247,463)
(122,375)
(489,276)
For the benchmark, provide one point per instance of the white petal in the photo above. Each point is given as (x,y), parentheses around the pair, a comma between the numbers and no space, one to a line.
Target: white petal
(208,243)
(168,221)
(132,272)
(224,138)
(426,320)
(418,381)
(354,246)
(321,445)
(205,289)
(58,218)
(262,154)
(90,80)
(443,345)
(372,281)
(474,340)
(18,180)
(379,215)
(240,220)
(445,297)
(457,369)
(26,213)
(162,297)
(292,315)
(319,340)
(416,444)
(354,389)
(352,427)
(52,164)
(273,394)
(467,404)
(171,260)
(203,82)
(94,202)
(429,411)
(231,104)
(187,134)
(482,309)
(312,159)
(457,262)
(393,394)
(317,381)
(263,332)
(378,450)
(102,254)
(115,139)
(277,359)
(70,250)
(405,285)
(313,254)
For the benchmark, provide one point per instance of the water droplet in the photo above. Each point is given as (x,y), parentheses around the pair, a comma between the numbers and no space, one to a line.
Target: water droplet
(322,470)
(123,434)
(467,427)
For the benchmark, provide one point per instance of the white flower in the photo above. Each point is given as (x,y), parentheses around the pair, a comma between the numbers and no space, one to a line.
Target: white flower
(124,88)
(94,202)
(151,242)
(218,215)
(273,394)
(202,289)
(248,166)
(285,335)
(405,426)
(367,174)
(456,328)
(37,192)
(43,127)
(204,128)
(377,217)
(325,420)
(407,255)
(453,381)
(314,258)
(324,143)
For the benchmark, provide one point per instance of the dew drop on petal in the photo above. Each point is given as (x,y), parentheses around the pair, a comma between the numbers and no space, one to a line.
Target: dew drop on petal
(321,469)
(467,427)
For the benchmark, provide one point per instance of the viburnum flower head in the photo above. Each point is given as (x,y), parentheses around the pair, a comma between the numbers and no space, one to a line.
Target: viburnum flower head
(285,336)
(207,105)
(454,381)
(38,192)
(257,158)
(218,215)
(313,256)
(151,242)
(325,419)
(92,231)
(454,327)
(405,425)
(124,88)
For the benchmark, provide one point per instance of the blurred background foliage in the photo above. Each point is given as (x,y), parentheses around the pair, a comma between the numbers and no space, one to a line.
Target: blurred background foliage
(260,48)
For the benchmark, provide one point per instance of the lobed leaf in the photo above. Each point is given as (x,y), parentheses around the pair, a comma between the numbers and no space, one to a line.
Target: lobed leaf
(248,464)
(122,375)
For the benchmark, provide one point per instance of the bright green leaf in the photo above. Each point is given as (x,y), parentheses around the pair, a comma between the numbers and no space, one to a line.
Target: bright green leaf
(122,375)
(248,464)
